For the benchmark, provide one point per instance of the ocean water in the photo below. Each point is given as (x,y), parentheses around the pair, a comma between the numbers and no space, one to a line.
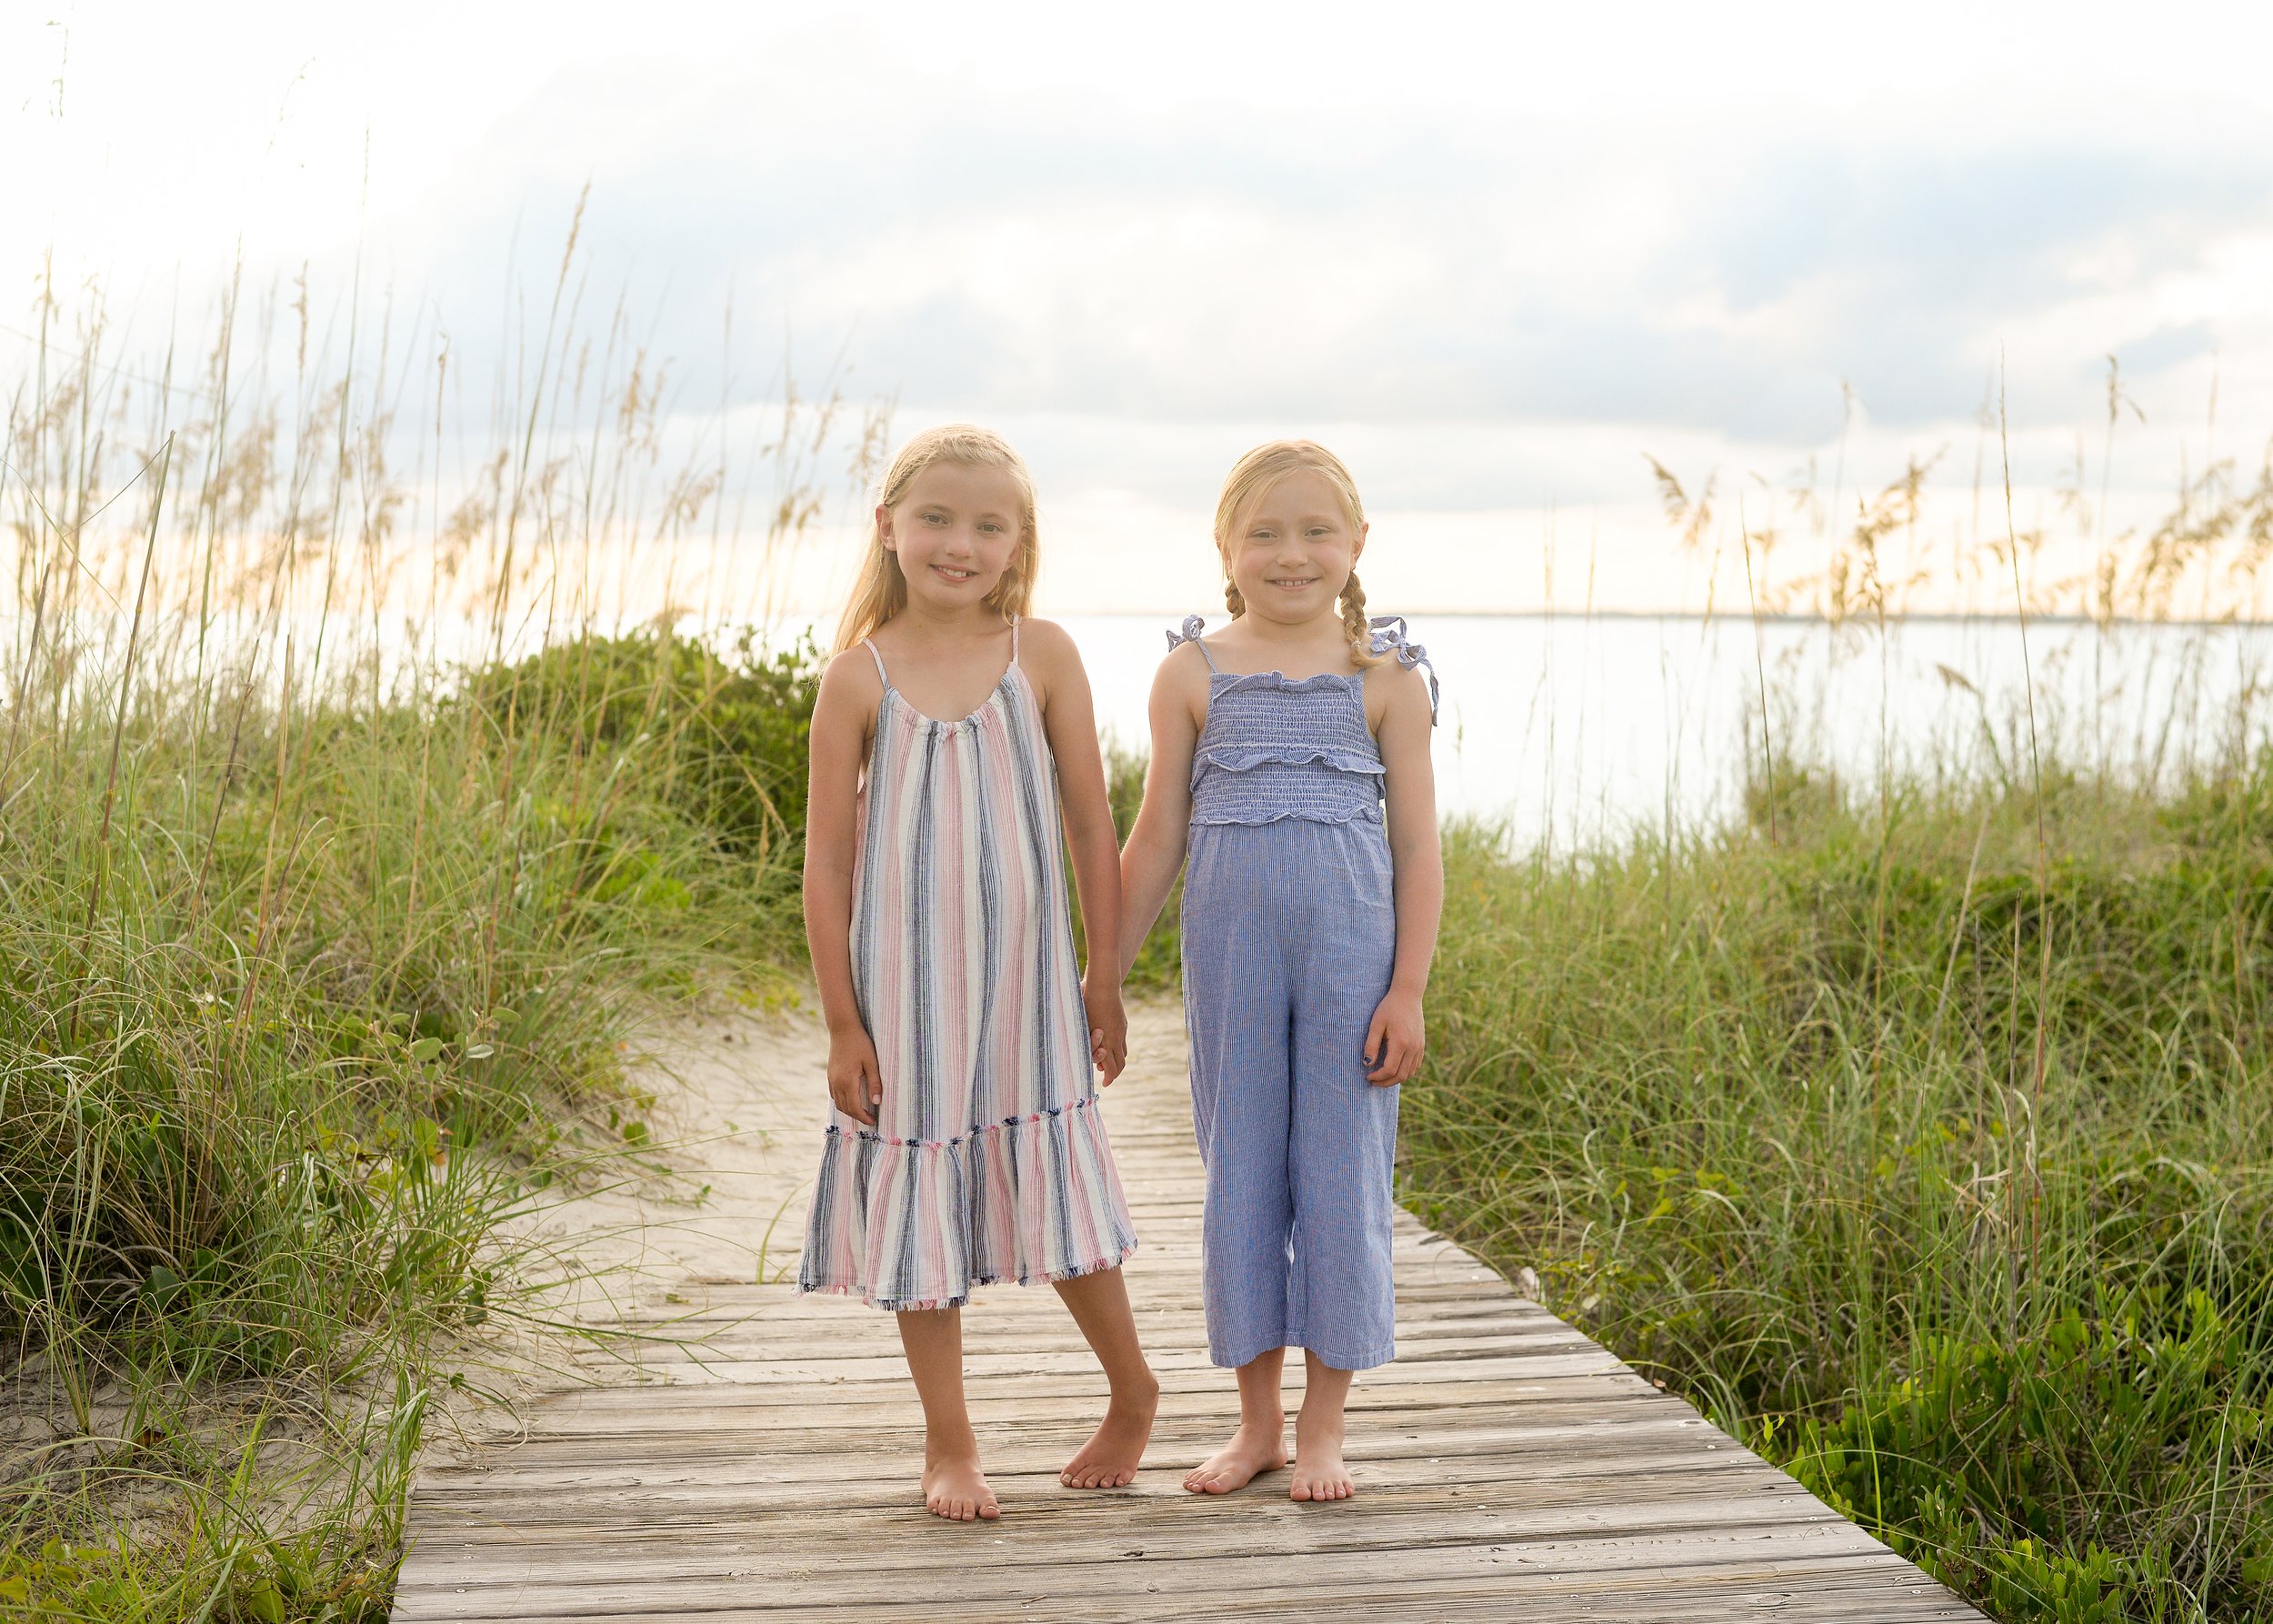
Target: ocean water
(1568,729)
(1571,730)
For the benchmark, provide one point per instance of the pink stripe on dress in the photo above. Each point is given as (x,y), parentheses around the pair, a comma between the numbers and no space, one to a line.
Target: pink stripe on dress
(989,1159)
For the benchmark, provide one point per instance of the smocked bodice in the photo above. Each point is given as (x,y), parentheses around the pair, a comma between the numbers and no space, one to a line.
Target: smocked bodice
(1277,747)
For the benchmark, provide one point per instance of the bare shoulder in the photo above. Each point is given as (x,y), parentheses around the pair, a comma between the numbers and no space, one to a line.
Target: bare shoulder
(851,678)
(1181,684)
(1054,673)
(1396,694)
(1185,662)
(1183,670)
(1052,660)
(1046,644)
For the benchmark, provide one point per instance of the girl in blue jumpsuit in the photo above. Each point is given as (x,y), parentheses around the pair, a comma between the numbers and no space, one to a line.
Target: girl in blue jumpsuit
(1305,941)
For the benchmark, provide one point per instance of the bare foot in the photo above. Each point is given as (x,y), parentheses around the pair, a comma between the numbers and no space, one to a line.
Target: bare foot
(1253,1449)
(1109,1459)
(1320,1474)
(955,1488)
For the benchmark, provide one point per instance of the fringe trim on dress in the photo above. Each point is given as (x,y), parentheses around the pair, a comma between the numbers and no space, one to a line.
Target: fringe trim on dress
(916,1224)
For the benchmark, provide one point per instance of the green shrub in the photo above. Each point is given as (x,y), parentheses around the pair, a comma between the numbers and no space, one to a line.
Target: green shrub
(2058,1478)
(1937,1172)
(294,1007)
(731,730)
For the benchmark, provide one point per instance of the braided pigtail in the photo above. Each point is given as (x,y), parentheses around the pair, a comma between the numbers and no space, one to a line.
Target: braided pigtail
(1354,625)
(1234,599)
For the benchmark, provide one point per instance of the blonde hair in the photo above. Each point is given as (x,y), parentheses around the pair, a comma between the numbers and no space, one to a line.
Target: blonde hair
(1252,479)
(882,589)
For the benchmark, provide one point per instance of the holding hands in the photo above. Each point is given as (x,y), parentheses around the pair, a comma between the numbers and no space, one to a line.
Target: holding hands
(1109,1023)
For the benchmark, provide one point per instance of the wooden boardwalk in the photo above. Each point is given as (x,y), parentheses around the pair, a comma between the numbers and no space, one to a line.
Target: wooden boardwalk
(1507,1467)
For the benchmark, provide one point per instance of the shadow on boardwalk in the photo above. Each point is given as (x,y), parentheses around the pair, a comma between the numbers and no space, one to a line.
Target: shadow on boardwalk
(1507,1467)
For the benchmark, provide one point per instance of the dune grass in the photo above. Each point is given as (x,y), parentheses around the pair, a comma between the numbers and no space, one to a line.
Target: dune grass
(1923,1140)
(340,874)
(329,994)
(1937,1173)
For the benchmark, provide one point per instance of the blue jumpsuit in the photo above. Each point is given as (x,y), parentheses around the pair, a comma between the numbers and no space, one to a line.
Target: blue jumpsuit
(1289,928)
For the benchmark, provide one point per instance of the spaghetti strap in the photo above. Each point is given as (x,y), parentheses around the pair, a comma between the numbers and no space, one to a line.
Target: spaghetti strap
(1014,638)
(873,655)
(1193,626)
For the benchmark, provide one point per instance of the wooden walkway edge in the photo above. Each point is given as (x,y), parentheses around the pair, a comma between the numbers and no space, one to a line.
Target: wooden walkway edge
(764,1465)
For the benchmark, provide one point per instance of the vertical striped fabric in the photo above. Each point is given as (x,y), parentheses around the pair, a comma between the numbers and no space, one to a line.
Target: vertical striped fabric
(988,1160)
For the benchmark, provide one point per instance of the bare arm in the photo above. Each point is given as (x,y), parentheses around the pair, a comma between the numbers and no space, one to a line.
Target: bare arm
(1398,1036)
(1069,720)
(1155,853)
(850,690)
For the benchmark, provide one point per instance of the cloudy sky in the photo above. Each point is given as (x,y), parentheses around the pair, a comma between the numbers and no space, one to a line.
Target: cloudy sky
(1493,254)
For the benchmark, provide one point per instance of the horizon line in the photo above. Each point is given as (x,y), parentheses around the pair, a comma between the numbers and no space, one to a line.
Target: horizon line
(1937,616)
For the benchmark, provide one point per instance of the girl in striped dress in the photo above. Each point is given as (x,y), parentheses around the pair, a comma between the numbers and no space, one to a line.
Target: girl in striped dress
(965,1146)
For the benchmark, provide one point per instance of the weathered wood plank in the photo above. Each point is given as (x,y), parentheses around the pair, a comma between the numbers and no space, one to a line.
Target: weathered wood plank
(566,1495)
(747,1452)
(1742,1558)
(1835,1590)
(1459,1443)
(1446,1490)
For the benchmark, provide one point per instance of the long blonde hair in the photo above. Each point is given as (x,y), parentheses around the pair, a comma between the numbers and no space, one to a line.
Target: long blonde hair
(1251,479)
(882,590)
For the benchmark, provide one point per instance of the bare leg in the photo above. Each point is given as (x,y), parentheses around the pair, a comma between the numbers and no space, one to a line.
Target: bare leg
(1320,1474)
(1099,1304)
(953,1486)
(1260,1443)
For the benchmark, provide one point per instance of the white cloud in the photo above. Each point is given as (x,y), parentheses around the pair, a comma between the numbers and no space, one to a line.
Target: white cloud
(1497,251)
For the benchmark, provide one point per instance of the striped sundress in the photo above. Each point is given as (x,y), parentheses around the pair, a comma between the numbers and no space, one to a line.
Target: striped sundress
(988,1161)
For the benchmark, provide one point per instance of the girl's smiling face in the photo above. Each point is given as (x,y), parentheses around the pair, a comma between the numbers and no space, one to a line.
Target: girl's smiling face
(956,529)
(1294,548)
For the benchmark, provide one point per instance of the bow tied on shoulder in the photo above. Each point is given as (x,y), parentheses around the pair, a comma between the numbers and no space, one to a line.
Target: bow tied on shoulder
(1390,636)
(1193,626)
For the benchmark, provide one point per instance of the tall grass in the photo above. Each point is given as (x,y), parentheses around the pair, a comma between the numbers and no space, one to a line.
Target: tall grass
(350,823)
(1922,1136)
(345,847)
(1942,1178)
